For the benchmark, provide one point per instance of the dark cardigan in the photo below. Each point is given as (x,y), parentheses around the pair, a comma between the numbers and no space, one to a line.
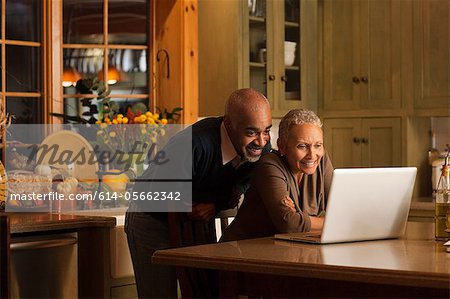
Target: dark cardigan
(212,182)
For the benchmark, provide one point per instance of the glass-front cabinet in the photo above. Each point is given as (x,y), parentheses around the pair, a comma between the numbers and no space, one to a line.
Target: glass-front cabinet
(108,40)
(275,51)
(269,45)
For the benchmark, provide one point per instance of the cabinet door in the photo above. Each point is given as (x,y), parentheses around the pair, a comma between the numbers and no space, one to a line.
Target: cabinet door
(362,54)
(432,54)
(381,142)
(274,67)
(258,47)
(282,42)
(367,142)
(287,55)
(380,53)
(341,31)
(342,141)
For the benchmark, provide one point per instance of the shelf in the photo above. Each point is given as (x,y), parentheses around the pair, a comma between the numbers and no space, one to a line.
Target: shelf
(292,68)
(257,19)
(257,64)
(292,95)
(291,24)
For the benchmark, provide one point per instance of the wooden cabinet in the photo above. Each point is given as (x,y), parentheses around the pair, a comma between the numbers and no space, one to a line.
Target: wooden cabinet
(243,44)
(275,51)
(362,54)
(362,81)
(363,142)
(176,32)
(431,29)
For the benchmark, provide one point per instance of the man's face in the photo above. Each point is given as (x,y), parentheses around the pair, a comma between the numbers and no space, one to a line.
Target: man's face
(250,133)
(303,148)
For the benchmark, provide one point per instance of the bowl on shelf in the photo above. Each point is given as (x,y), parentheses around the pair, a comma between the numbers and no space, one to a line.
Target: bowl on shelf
(289,46)
(289,59)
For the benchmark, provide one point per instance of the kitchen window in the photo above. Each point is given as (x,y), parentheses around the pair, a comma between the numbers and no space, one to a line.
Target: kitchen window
(23,59)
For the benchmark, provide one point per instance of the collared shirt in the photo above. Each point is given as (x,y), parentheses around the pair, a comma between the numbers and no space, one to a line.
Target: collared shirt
(228,151)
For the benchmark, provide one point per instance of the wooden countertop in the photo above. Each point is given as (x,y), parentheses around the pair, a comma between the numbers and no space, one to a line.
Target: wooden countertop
(40,222)
(415,260)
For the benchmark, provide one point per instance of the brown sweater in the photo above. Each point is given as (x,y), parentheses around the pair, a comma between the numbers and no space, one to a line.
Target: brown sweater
(262,212)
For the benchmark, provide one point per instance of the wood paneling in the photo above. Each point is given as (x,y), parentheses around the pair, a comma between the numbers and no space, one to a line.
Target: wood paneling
(432,54)
(190,63)
(220,66)
(176,32)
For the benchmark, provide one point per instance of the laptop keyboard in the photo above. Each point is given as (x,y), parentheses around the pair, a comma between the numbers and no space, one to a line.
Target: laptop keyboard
(315,235)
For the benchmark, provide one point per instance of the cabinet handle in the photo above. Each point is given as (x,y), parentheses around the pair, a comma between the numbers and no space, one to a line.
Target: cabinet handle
(284,78)
(271,77)
(364,80)
(356,140)
(355,80)
(39,244)
(365,140)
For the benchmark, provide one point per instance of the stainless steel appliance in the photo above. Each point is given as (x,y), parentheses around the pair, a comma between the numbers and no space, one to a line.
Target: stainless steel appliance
(44,266)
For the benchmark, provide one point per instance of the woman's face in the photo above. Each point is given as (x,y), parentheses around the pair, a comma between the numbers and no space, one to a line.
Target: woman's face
(303,148)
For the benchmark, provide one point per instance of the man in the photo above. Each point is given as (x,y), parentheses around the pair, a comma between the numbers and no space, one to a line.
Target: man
(223,151)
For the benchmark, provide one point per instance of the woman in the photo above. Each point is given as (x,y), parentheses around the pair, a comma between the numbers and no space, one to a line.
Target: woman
(290,187)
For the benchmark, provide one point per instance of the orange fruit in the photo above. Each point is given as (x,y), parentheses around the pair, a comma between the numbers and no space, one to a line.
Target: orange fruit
(117,182)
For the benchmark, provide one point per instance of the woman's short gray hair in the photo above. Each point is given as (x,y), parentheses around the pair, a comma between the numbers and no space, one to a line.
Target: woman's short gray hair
(297,117)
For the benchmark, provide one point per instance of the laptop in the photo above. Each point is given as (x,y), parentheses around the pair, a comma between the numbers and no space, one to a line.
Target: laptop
(364,204)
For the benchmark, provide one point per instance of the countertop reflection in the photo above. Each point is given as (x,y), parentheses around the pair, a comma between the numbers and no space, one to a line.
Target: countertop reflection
(416,255)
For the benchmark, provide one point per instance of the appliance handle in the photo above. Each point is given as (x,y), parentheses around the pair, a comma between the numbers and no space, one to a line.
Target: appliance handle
(40,244)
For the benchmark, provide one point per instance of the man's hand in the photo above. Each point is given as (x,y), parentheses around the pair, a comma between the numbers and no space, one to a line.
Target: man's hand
(202,211)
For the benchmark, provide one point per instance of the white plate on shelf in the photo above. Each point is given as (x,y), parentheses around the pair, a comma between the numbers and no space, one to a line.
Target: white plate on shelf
(143,61)
(127,63)
(70,144)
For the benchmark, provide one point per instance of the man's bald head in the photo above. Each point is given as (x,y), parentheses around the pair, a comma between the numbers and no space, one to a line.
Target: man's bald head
(248,121)
(243,102)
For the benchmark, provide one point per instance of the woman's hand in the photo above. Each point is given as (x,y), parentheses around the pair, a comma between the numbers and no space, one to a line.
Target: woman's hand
(287,201)
(316,223)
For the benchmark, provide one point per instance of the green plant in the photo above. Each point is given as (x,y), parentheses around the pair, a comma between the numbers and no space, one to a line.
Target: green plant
(89,86)
(171,116)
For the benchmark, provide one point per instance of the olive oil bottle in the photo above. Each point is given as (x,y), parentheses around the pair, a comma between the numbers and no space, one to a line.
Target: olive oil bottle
(442,204)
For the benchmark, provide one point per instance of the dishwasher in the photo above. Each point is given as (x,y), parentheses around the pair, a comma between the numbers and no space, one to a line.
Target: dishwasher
(44,266)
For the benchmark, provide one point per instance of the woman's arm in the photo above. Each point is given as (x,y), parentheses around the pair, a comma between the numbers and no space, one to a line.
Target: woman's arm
(271,183)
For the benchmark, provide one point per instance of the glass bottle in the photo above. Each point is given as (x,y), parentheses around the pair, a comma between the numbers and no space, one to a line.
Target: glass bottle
(448,224)
(442,204)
